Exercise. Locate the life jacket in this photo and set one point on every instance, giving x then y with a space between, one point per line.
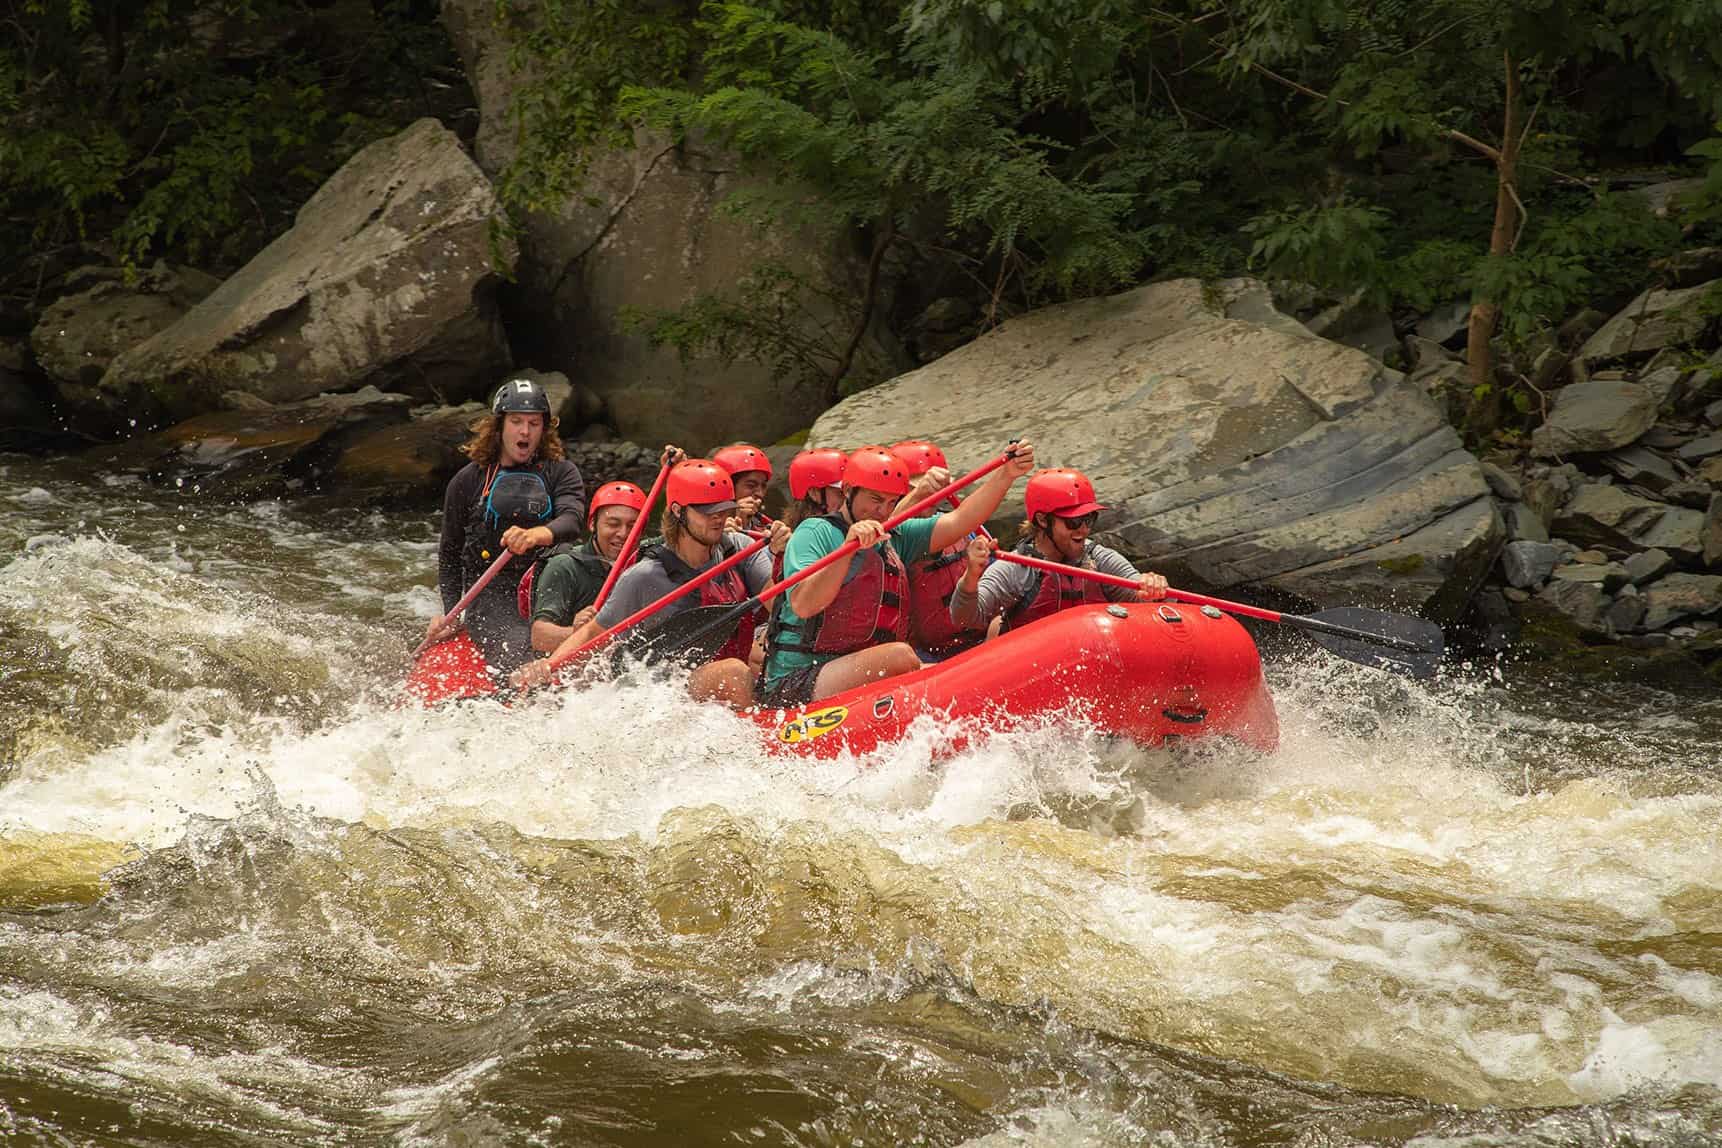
580 552
932 580
508 498
727 589
1048 595
870 610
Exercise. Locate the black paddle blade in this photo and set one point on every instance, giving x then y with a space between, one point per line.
1397 643
692 637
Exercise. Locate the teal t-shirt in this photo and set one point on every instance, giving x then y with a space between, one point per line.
813 540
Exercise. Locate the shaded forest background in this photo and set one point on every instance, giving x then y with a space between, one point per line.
1010 154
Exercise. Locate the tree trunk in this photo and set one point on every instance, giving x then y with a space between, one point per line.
870 294
1502 239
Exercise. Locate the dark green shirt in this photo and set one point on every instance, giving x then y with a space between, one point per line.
568 584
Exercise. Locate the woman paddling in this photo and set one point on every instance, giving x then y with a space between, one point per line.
933 577
846 625
1061 511
518 493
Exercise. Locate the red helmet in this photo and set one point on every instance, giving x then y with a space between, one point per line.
741 458
920 455
614 494
875 468
814 469
700 482
1060 491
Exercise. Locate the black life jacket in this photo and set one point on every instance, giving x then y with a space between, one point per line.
508 498
727 589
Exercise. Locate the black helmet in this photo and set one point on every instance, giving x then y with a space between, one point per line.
520 396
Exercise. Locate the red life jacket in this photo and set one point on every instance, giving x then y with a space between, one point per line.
932 580
870 609
727 589
1050 593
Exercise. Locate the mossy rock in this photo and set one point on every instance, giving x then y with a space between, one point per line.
1550 637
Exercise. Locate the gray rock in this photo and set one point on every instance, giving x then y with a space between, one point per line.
1590 557
1355 322
1528 565
385 278
1577 329
1713 413
1643 467
79 334
1611 576
1595 416
1646 641
1547 489
1693 493
646 233
1421 352
1648 565
1665 438
1666 198
1448 325
1679 531
1626 611
1581 602
1700 448
1681 596
1658 318
239 455
1683 633
1233 452
1663 383
1515 595
1691 267
1523 523
1710 534
1504 483
1710 472
1602 514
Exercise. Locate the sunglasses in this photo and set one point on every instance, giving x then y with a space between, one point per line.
1080 521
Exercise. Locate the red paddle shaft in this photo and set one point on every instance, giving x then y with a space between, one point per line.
472 592
647 611
625 557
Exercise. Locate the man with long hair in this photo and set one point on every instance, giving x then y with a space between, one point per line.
519 492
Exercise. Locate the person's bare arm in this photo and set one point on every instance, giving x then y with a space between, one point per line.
954 525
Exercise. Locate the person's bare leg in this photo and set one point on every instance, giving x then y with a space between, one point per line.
865 666
729 681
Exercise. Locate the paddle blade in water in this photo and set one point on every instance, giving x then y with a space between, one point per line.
1394 642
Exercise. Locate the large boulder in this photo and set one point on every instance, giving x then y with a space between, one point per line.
411 461
1233 452
646 233
1594 416
82 331
385 279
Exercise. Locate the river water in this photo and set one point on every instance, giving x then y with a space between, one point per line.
246 899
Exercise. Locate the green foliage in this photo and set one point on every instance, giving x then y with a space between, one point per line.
193 128
1337 246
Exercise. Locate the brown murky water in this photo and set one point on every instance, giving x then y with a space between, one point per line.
244 899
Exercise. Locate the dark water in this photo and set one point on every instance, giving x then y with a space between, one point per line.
245 899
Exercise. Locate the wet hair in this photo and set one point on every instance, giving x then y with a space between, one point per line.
670 527
485 445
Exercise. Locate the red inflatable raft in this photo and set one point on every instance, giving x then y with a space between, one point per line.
1150 671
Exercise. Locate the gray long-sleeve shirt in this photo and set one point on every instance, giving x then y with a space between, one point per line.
1004 584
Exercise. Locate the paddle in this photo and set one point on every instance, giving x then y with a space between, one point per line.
697 634
1383 641
624 557
556 662
472 592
